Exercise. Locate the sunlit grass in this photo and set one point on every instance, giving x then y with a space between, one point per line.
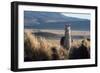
40 48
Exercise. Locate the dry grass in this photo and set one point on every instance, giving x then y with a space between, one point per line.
39 48
80 49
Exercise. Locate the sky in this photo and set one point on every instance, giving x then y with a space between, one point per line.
77 15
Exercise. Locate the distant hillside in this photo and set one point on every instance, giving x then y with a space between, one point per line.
53 20
55 36
47 35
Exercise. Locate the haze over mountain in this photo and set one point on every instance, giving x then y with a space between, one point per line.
53 20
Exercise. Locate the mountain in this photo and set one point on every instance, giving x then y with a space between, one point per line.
53 20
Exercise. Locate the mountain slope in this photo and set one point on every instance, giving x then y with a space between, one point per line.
53 20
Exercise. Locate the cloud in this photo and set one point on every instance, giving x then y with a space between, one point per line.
78 15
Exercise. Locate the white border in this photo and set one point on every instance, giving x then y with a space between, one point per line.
22 64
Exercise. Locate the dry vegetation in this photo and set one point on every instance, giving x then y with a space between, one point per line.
39 48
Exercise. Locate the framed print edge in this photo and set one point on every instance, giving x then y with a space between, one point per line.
14 35
96 38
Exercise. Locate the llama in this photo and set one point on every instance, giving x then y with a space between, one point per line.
67 41
78 51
